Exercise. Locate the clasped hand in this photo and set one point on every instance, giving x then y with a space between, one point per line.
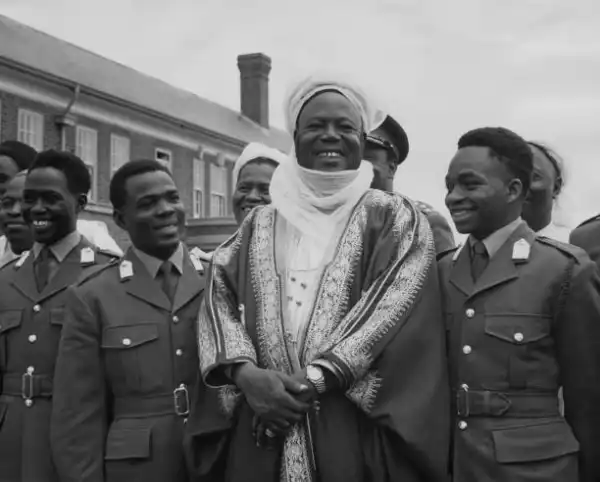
278 400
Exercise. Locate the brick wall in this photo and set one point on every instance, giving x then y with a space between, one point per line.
140 147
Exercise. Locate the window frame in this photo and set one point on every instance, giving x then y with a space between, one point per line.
38 141
199 163
114 140
81 129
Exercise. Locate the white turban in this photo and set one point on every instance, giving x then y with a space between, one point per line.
319 203
97 233
253 151
306 89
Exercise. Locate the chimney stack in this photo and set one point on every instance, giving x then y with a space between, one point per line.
254 87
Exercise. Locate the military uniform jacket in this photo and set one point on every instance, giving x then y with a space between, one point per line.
127 361
587 237
30 329
528 325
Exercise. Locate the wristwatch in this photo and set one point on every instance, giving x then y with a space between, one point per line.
315 376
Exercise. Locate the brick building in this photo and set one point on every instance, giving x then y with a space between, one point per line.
56 95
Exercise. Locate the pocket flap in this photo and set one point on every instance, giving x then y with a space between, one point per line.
517 328
129 336
535 442
57 315
128 444
10 319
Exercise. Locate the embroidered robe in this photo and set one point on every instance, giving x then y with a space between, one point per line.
376 318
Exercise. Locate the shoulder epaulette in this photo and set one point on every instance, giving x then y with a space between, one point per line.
95 270
109 253
446 252
11 262
565 248
589 220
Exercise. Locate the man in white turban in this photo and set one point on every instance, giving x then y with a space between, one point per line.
321 338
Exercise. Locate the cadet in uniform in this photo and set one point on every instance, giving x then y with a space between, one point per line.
522 317
128 357
587 237
386 148
32 311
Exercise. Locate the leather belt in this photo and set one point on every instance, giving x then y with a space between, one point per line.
485 403
27 385
176 402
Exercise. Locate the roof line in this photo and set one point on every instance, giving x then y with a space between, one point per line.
121 102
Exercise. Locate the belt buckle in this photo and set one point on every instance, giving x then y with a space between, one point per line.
181 394
462 398
27 385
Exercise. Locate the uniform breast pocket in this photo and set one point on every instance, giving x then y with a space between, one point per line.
9 320
132 357
518 346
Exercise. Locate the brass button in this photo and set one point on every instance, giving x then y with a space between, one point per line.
126 341
466 349
175 319
37 308
30 370
32 338
462 425
470 313
518 337
179 352
28 402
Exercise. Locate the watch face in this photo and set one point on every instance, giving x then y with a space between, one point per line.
313 373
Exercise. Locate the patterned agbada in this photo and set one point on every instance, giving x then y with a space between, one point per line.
376 319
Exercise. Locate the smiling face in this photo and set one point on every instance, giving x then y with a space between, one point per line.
252 188
49 207
329 134
482 195
153 214
13 225
8 170
537 210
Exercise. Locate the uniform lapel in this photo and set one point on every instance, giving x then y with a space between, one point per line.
502 267
460 273
24 278
142 285
190 284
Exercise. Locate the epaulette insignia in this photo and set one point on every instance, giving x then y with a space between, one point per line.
125 270
21 259
88 256
95 271
197 264
201 255
521 250
568 249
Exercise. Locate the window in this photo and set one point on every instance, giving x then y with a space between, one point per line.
119 152
199 183
86 148
218 191
165 157
31 129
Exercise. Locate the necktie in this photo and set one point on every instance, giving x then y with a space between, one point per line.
169 279
43 268
479 259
